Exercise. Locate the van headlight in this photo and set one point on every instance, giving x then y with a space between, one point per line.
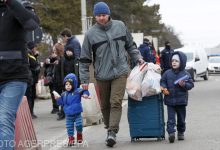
210 67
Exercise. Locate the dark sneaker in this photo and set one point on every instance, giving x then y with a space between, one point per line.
111 139
33 116
106 127
172 137
54 111
180 136
61 117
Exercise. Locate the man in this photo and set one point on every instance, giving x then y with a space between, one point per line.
165 57
71 41
35 70
15 21
147 52
106 44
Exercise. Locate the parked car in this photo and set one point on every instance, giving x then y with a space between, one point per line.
197 62
214 64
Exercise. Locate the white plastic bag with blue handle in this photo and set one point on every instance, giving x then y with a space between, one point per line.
134 80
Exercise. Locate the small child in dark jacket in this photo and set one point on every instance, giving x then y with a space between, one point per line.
71 100
175 84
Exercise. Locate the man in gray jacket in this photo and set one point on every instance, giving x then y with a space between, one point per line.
106 45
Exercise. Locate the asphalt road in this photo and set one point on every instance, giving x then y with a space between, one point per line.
202 133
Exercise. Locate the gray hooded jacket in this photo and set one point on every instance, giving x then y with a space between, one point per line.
106 46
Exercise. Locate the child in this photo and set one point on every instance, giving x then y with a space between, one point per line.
71 100
175 93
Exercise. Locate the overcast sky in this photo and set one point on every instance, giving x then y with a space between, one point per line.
196 21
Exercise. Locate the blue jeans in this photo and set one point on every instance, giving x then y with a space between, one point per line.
11 94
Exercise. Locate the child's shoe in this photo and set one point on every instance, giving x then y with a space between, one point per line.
180 136
79 138
71 141
172 137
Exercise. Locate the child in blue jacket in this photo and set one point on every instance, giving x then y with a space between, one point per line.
71 100
175 84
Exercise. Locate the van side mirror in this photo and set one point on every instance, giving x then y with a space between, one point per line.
197 59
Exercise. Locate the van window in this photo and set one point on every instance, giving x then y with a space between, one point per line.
189 56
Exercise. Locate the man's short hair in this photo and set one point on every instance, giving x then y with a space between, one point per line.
31 45
66 32
146 41
167 43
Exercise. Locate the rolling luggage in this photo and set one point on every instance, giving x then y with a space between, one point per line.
146 118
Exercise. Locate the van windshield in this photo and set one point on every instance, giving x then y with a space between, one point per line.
189 56
214 59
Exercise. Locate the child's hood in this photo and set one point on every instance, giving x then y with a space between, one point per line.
72 77
182 57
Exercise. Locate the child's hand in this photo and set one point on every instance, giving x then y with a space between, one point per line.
56 95
181 83
85 96
164 91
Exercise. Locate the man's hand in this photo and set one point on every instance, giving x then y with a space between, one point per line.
85 86
56 62
141 61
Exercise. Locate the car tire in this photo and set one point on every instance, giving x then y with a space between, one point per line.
206 77
194 76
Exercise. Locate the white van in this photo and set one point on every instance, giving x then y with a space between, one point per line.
197 62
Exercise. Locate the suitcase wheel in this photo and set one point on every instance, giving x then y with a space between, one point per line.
160 139
132 139
135 139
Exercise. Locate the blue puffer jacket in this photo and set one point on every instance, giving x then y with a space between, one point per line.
71 100
75 45
147 53
178 95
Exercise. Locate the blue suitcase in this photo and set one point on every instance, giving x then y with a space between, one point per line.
146 118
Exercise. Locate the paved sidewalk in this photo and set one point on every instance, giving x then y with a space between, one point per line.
46 126
51 134
202 134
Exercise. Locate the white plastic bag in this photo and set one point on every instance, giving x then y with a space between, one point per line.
151 83
155 67
134 80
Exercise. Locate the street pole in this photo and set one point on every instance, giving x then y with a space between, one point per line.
83 16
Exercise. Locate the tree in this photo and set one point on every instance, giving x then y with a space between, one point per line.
170 35
56 15
137 17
